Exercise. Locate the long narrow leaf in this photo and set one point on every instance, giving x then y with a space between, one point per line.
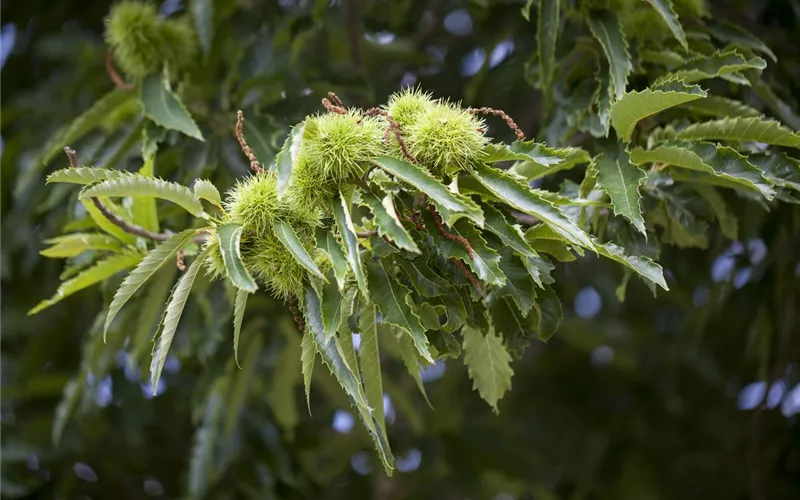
144 271
140 185
289 238
230 237
172 317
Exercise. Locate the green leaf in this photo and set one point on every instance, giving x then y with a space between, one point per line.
519 196
408 353
394 302
518 286
165 108
201 462
336 308
779 169
727 222
105 224
172 317
230 237
144 271
606 29
546 39
713 66
424 280
665 10
287 157
84 175
205 190
536 160
140 185
484 260
387 222
286 375
307 357
203 16
143 210
508 322
90 119
620 180
341 214
719 161
644 266
754 129
369 354
289 238
550 313
452 205
239 305
73 244
637 105
720 107
732 34
488 364
326 241
100 271
510 234
344 374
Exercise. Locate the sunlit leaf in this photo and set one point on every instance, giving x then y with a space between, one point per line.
620 180
230 237
488 363
290 240
140 185
165 108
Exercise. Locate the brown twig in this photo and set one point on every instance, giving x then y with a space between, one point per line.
467 273
298 318
113 74
395 128
333 108
416 222
335 99
502 114
255 166
450 236
367 234
118 221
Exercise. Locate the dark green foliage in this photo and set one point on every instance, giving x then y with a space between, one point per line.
661 143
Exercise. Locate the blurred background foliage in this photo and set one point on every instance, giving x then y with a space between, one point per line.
692 394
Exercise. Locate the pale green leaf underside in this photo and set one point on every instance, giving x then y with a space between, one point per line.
100 271
637 105
84 175
621 180
229 237
488 364
165 108
140 185
289 238
144 271
70 245
721 107
205 190
307 356
172 317
453 204
327 242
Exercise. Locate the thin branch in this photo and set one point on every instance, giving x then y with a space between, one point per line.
118 221
367 234
113 74
255 166
502 114
467 273
450 236
332 107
